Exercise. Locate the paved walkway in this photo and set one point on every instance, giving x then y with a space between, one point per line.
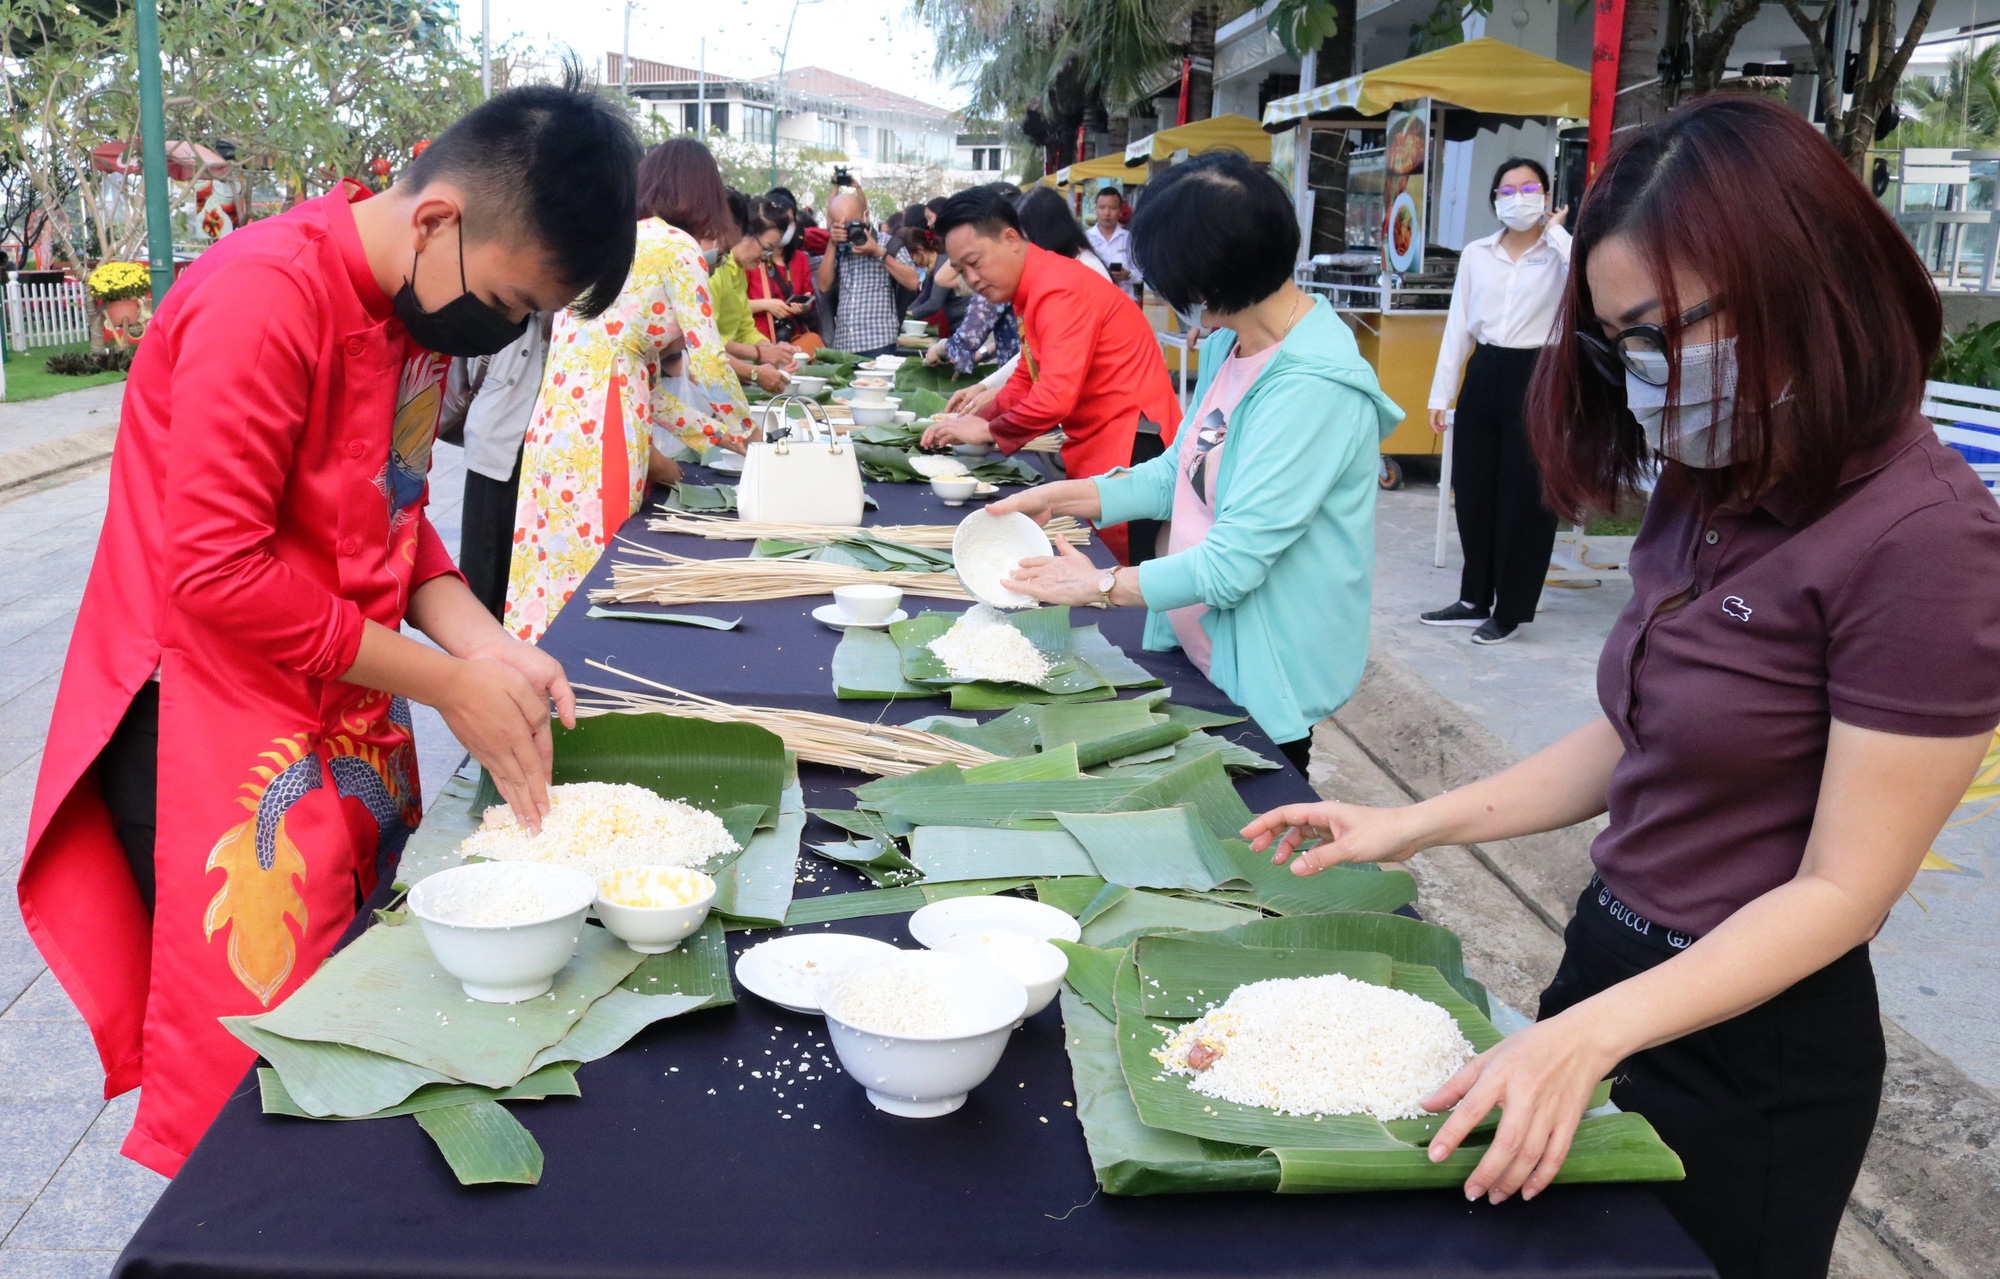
1937 958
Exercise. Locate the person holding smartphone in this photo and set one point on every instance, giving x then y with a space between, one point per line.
1112 243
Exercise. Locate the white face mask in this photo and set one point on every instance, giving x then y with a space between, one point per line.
1521 212
791 229
1700 415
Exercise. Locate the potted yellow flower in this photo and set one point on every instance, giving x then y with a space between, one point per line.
117 288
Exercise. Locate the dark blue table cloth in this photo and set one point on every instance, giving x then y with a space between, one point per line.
727 1144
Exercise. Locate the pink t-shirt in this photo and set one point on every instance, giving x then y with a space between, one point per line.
1194 513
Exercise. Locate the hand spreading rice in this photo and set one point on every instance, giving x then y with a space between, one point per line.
983 645
1320 1046
604 826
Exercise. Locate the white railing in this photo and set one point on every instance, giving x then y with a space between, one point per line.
1968 416
47 314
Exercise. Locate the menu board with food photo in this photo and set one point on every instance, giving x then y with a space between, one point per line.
1407 142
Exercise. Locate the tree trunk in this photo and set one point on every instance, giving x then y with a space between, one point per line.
1715 40
1881 63
1326 162
1638 69
1201 68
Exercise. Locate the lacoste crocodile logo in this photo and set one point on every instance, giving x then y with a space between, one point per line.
1736 608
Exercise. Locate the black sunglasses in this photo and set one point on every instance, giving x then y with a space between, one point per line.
1640 350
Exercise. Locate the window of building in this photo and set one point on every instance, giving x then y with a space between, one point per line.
886 146
756 122
864 141
691 117
718 116
832 134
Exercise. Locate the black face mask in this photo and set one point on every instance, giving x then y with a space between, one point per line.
464 326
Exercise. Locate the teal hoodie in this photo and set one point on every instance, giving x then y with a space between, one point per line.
1289 566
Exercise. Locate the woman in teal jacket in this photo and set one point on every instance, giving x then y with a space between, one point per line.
1270 483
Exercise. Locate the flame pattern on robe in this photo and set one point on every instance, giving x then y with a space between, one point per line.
374 763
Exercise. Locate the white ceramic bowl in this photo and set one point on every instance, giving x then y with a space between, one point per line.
874 414
808 385
503 963
653 930
871 390
916 328
987 548
787 970
867 602
1038 965
940 921
904 417
921 1077
954 489
971 450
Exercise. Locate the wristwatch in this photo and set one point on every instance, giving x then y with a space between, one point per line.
1105 585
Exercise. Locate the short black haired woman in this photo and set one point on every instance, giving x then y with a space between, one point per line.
1270 484
1503 306
1794 700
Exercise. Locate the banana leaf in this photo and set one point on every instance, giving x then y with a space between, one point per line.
1070 894
885 463
1406 940
1196 718
1050 765
483 1144
712 766
336 1081
755 889
1180 978
923 402
1110 661
550 1081
915 375
1046 628
1152 848
698 966
1092 973
868 665
676 619
1008 470
610 1023
1204 783
889 901
1155 742
1093 721
1012 734
1149 912
999 802
700 497
1338 888
874 794
385 993
899 435
880 861
945 853
1614 1147
1000 697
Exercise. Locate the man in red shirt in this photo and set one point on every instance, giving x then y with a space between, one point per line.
230 767
1090 363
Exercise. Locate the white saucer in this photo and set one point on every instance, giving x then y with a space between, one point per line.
986 490
788 970
839 621
727 464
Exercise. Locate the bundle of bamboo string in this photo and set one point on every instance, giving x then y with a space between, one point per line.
678 579
933 536
886 750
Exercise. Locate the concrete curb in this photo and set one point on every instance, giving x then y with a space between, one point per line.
25 465
1929 1191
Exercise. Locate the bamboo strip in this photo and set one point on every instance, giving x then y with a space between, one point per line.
886 750
681 580
929 536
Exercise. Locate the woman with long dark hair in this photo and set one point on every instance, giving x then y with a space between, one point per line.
1793 702
1503 305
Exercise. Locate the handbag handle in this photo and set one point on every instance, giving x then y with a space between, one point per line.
778 428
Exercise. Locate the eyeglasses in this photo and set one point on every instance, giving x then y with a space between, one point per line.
1640 350
1526 188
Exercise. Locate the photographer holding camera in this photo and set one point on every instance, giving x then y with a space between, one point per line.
861 274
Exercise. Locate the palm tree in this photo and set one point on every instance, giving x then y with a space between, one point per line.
1962 109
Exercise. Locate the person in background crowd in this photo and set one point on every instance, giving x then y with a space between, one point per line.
1266 578
1503 305
1090 363
592 447
1795 697
493 399
945 297
933 207
753 232
893 228
863 276
264 544
786 276
1113 243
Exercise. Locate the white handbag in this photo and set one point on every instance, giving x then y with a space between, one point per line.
801 472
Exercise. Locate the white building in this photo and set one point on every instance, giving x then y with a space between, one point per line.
872 128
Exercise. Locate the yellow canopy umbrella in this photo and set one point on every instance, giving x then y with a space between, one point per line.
1484 75
1106 166
1233 132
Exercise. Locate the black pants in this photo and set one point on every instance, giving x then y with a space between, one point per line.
1299 752
486 535
1770 1111
128 770
1506 531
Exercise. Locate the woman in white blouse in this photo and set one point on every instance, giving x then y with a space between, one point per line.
1503 309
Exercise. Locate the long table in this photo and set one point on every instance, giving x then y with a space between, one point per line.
727 1144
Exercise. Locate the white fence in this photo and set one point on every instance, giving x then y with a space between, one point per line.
47 314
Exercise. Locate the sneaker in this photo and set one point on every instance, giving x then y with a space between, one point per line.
1494 633
1459 614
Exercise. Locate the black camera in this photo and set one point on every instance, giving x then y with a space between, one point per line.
841 177
857 233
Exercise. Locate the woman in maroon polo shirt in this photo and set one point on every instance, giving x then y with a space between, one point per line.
1794 700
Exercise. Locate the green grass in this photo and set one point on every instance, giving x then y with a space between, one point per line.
28 379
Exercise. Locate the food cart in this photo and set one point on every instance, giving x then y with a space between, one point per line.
1391 286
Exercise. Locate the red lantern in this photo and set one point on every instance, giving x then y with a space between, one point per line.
420 148
379 167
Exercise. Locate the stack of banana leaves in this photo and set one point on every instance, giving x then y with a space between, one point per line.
699 497
915 375
898 662
380 1033
1150 1133
862 550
